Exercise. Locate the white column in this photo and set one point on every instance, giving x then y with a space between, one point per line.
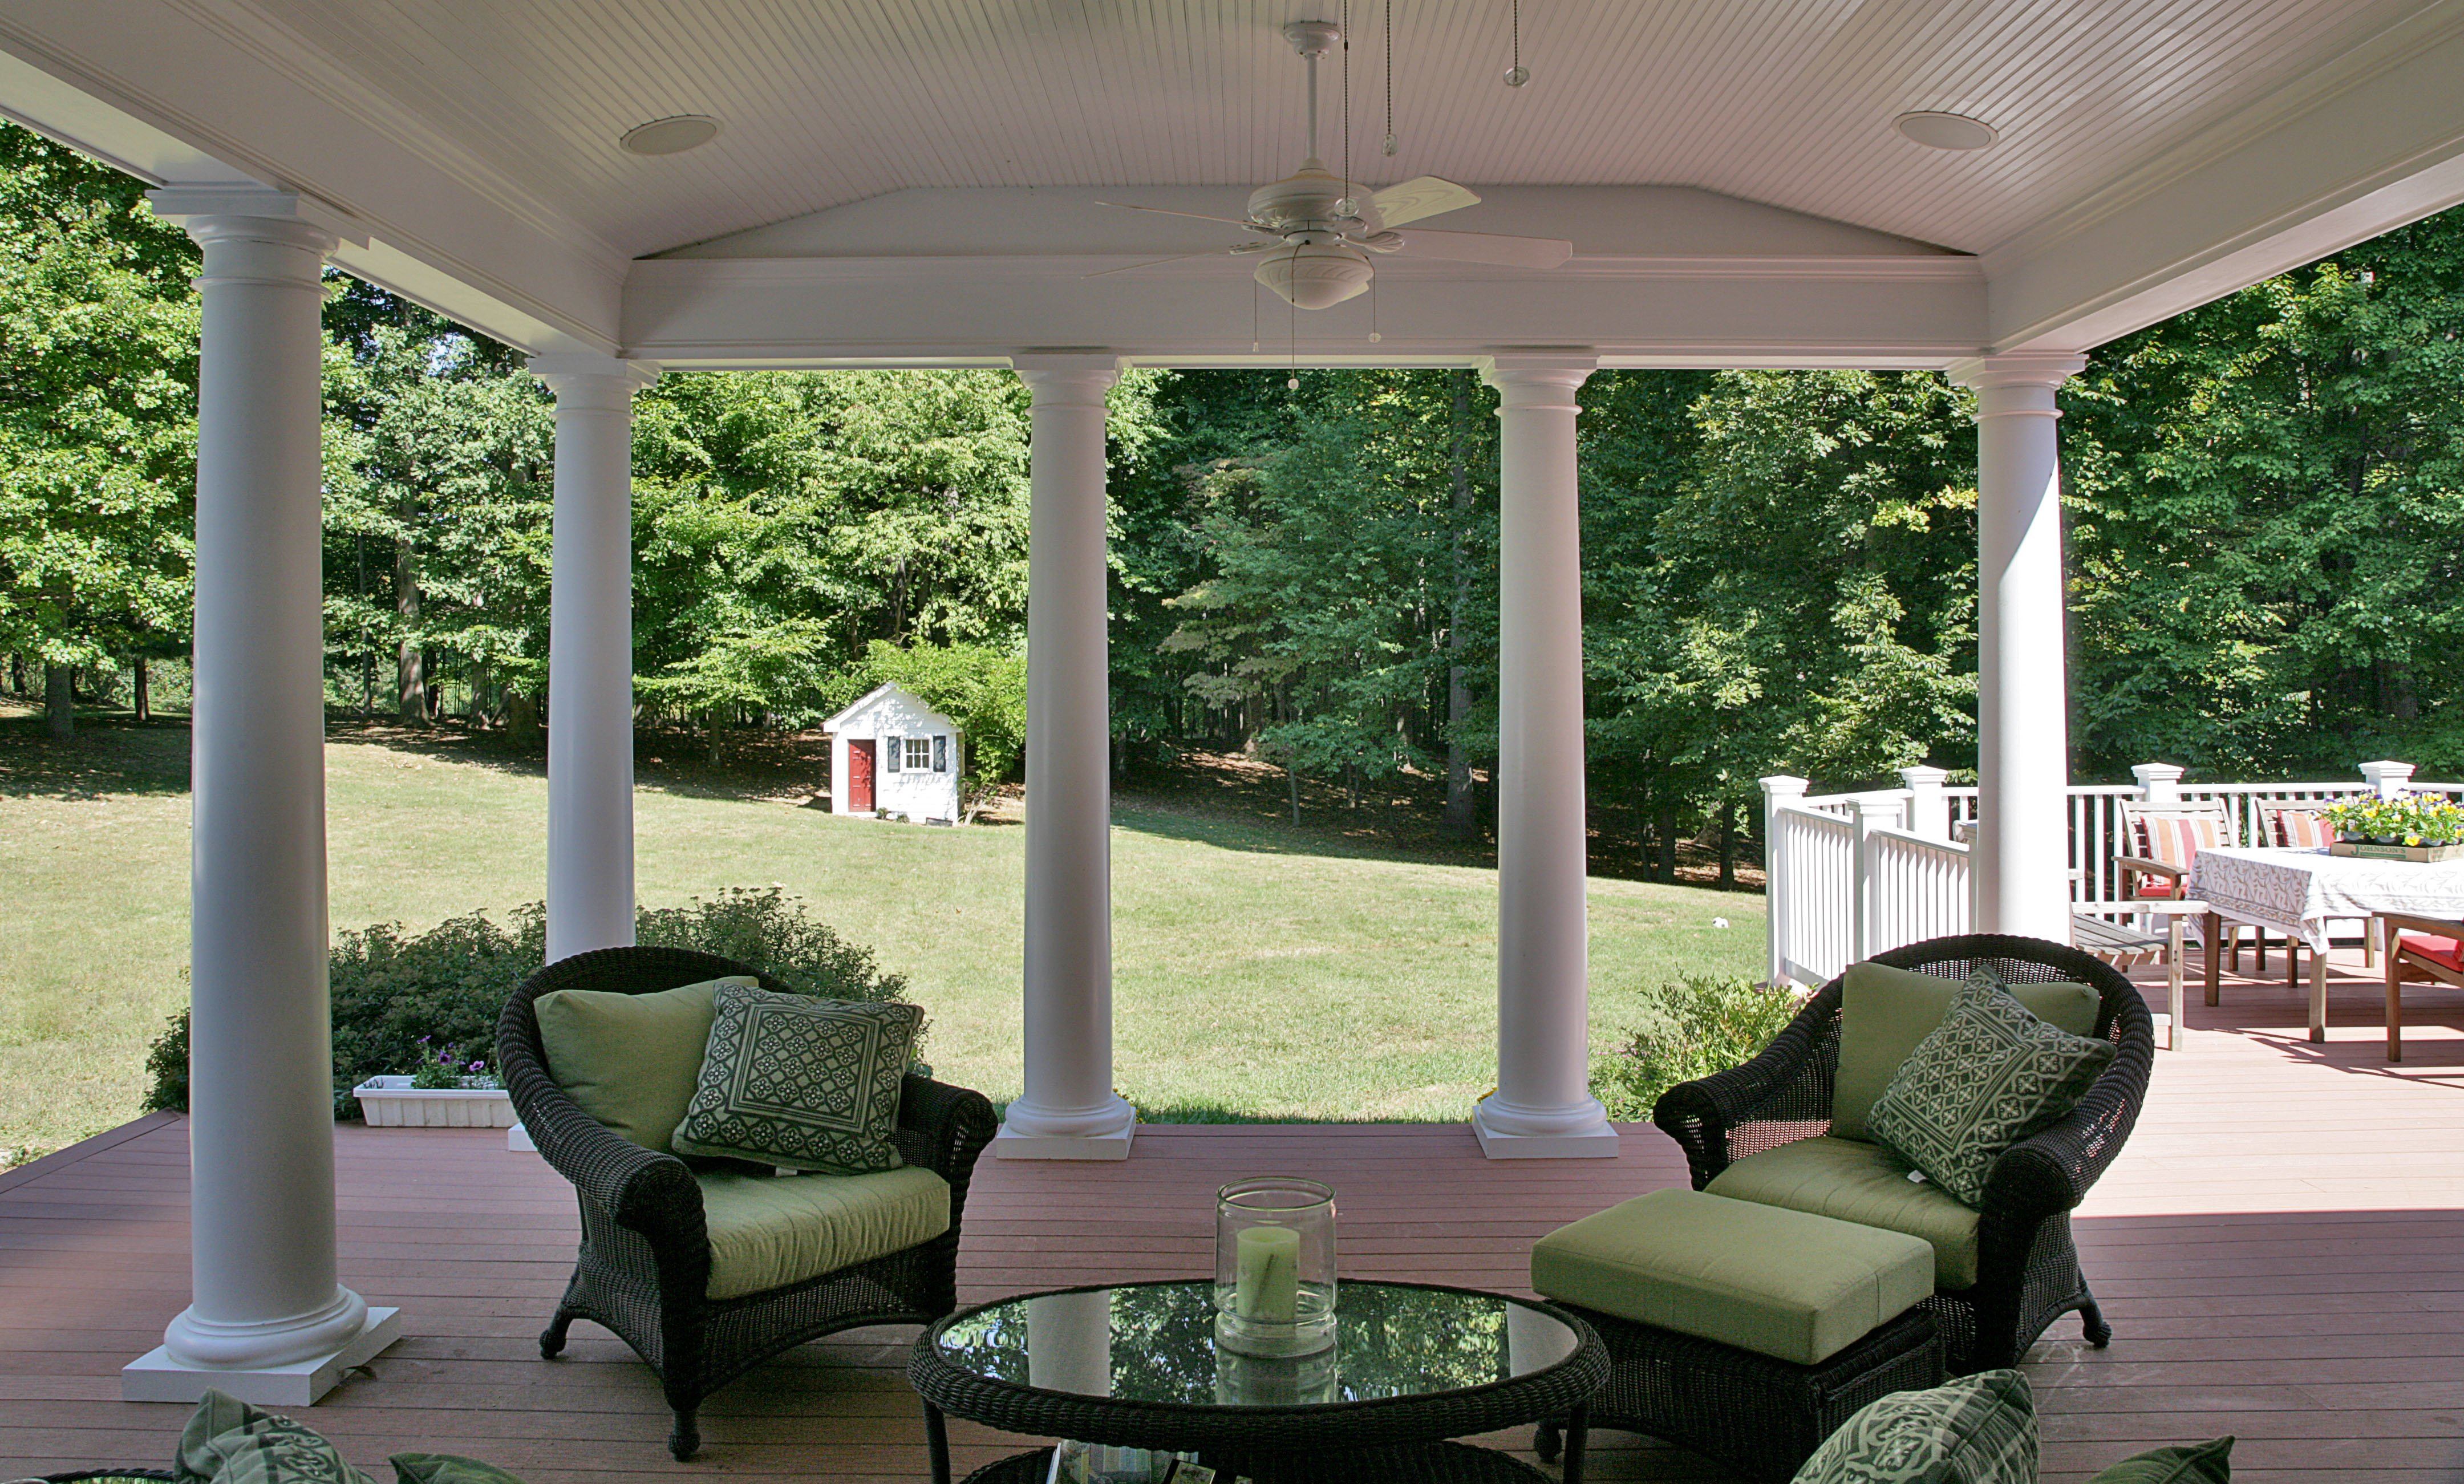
2021 858
1067 1109
266 1321
2388 776
1543 1107
591 653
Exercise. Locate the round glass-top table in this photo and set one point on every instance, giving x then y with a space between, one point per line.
1136 1366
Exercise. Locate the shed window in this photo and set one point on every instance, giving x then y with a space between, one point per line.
890 754
940 755
919 754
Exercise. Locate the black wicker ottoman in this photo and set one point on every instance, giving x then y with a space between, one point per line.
1760 1416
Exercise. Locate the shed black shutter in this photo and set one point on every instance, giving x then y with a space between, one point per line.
941 752
890 754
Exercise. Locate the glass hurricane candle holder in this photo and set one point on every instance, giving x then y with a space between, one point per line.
1274 1266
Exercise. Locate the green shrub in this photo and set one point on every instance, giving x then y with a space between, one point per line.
1706 1024
398 995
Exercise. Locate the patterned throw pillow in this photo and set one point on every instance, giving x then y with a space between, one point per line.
805 1082
1977 1429
2184 1463
1989 1075
229 1442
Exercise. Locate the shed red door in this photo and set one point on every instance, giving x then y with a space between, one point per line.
860 776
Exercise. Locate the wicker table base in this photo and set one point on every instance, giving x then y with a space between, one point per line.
1435 1463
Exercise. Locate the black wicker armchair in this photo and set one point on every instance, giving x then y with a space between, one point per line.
645 1263
2028 1270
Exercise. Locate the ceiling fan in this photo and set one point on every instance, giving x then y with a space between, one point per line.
1319 229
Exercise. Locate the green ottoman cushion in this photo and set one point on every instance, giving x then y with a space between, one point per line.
1885 1011
1851 1180
1783 1283
766 1233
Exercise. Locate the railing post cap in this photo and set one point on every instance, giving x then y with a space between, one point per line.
2386 766
1923 775
2170 773
1783 783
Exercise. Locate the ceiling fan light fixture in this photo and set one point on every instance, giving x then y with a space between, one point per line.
1315 276
671 135
1944 131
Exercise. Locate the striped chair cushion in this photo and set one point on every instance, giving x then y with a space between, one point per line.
2176 840
2298 829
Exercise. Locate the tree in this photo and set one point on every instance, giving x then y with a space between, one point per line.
98 408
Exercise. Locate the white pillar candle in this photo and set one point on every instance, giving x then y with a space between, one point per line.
1269 1291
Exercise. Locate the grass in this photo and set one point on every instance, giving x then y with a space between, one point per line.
1259 972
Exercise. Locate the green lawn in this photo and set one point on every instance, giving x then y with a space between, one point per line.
1258 971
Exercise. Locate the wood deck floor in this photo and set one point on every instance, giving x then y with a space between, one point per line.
2280 1250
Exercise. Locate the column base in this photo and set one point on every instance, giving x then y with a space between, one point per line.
1101 1135
1597 1141
518 1140
156 1377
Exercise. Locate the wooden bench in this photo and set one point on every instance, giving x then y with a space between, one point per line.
2126 947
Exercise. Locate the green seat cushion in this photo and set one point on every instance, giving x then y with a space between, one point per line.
629 1060
446 1469
2182 1463
1885 1012
766 1233
1976 1429
1784 1283
802 1081
1991 1074
1850 1179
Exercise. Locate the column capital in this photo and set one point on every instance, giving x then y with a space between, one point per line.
1537 379
579 371
1067 378
250 212
2019 383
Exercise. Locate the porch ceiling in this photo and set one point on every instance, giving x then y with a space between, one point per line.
2153 151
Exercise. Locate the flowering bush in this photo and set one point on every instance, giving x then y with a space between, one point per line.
2407 819
448 1068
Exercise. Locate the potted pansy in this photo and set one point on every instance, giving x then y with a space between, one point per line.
2408 827
447 1089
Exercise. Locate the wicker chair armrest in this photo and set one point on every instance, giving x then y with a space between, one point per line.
950 1125
2165 868
2054 1170
647 1190
1701 1114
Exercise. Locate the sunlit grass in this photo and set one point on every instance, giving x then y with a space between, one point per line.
1259 973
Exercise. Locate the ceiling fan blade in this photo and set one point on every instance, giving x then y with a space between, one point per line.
1422 196
1486 248
1157 262
1228 221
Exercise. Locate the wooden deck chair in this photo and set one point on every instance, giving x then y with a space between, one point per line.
2158 845
2419 950
2300 827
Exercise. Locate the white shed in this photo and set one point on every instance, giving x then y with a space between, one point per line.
892 754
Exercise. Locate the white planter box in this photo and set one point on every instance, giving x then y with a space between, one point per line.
392 1102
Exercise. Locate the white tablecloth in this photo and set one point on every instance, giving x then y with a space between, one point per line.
2298 891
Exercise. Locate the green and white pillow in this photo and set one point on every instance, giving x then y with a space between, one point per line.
807 1084
1977 1429
2184 1463
1988 1076
226 1441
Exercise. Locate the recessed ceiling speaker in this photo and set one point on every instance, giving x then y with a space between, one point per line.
1945 131
671 135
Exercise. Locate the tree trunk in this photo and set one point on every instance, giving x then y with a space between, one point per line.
410 662
1292 787
521 719
1461 818
1666 827
1728 845
717 733
141 700
16 674
59 699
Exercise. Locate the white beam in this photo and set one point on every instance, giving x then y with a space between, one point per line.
2356 148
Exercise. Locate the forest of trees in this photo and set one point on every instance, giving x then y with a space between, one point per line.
2265 510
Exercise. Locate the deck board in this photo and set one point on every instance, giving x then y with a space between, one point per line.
2280 1249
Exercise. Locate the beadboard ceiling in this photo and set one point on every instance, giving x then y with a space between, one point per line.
1786 102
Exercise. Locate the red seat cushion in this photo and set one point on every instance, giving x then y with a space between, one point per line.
2438 950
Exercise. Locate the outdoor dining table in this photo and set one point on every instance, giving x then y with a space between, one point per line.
2296 892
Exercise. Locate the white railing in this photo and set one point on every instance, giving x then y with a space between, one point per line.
1852 874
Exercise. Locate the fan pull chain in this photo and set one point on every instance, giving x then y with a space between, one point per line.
1293 343
1390 78
1347 207
1515 76
1374 336
1253 314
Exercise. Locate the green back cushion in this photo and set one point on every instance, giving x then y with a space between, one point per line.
2184 1463
226 1441
1885 1012
629 1060
801 1082
1991 1074
1977 1429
